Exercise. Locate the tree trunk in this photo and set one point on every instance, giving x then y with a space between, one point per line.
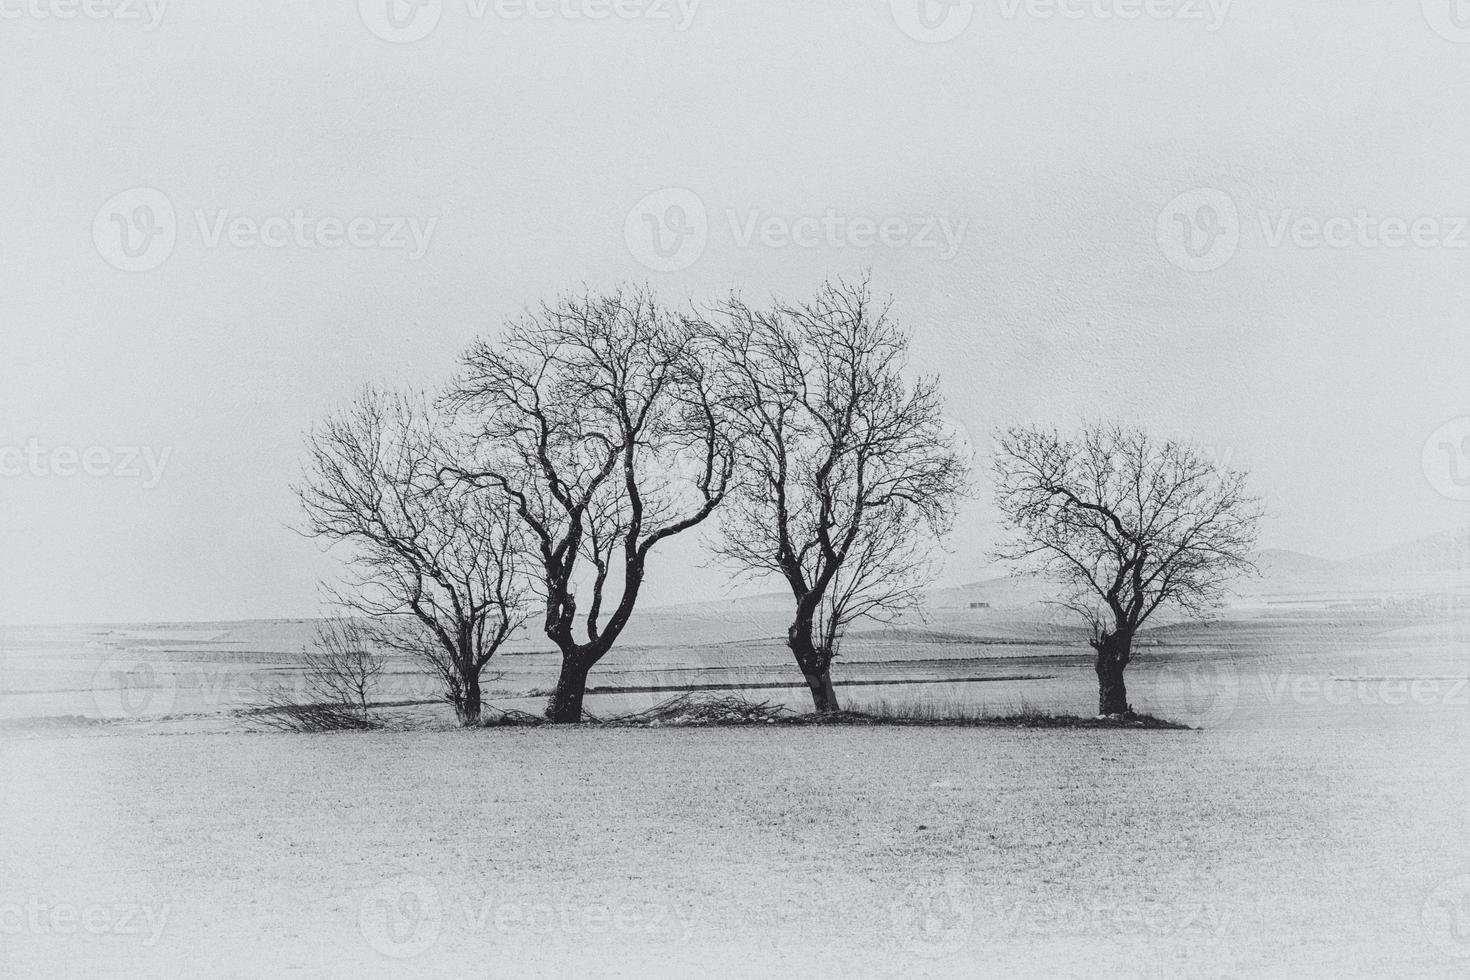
824 697
565 707
468 708
815 664
1113 650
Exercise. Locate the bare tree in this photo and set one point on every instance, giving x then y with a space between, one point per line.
596 421
847 475
343 664
435 565
1128 525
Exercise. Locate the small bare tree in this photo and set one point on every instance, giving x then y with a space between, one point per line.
435 565
342 666
596 422
1128 525
847 474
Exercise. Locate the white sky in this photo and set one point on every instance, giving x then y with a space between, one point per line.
1324 370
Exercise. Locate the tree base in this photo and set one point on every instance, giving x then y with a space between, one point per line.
467 702
565 706
1113 654
824 695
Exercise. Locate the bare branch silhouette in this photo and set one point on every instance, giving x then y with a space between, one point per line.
1128 525
435 565
596 420
846 472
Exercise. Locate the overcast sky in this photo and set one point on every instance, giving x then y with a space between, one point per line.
400 195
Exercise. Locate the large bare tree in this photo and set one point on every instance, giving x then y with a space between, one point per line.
596 420
847 474
434 565
1129 525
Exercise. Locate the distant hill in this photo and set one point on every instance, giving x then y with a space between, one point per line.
1431 573
1279 563
1448 552
1434 565
1437 565
1002 592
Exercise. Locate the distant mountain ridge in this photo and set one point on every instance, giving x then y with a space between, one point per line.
1432 563
1437 563
1448 551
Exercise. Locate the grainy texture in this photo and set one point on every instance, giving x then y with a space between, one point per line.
741 853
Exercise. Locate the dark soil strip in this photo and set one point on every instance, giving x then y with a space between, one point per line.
784 685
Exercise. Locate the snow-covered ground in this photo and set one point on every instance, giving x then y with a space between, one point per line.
1318 823
892 852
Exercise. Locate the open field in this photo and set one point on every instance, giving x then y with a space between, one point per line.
741 853
1300 640
1317 823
